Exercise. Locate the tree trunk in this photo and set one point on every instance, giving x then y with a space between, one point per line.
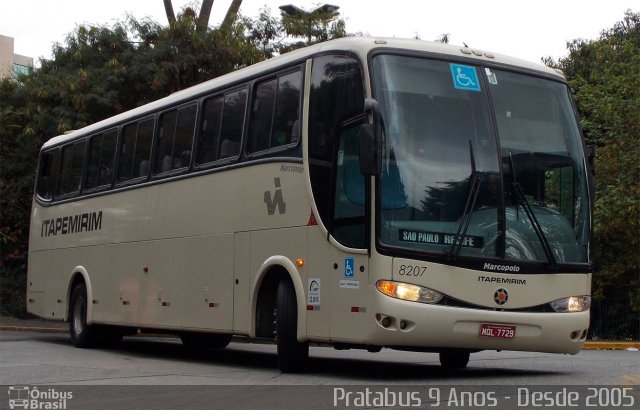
205 14
231 15
168 8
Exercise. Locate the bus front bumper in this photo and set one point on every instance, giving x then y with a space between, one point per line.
401 323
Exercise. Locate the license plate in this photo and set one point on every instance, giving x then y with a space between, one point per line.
500 331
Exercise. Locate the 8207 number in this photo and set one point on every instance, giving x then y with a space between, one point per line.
410 270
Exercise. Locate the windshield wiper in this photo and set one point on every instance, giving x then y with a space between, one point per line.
475 182
521 199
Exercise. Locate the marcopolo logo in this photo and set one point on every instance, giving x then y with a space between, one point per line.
25 397
501 268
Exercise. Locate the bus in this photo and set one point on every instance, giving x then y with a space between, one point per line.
359 193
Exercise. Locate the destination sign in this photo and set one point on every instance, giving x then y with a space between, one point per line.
440 238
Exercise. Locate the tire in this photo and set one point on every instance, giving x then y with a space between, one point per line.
82 334
204 341
292 355
454 359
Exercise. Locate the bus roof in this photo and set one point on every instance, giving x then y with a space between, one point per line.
361 46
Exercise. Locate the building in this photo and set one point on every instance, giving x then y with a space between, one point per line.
12 64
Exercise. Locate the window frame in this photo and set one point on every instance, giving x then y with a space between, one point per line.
71 194
155 146
246 86
55 151
134 180
300 67
114 160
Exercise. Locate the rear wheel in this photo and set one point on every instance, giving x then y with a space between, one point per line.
203 341
82 334
292 355
454 359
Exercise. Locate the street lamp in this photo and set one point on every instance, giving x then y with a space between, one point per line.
295 12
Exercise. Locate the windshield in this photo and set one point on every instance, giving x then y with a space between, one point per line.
479 162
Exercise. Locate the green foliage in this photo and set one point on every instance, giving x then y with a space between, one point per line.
314 27
605 77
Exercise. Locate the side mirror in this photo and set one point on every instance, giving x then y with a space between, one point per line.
369 150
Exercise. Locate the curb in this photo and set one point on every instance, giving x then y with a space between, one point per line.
34 329
611 345
587 345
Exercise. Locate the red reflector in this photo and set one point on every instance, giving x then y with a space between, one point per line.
312 219
212 304
313 307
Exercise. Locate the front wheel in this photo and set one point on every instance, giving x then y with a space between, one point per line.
292 355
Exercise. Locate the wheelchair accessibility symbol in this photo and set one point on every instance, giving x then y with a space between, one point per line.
465 77
348 267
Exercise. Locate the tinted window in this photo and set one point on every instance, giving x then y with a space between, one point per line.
232 124
174 139
47 172
274 113
135 150
71 171
286 124
337 94
210 130
102 148
262 116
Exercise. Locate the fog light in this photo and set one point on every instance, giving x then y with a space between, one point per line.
571 304
386 321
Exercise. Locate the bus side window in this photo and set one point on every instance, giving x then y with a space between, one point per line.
337 95
102 148
174 139
71 170
262 116
135 150
47 173
232 124
210 130
349 195
286 123
275 113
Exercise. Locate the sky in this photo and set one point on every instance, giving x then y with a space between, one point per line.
526 29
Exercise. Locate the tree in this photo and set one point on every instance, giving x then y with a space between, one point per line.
316 26
205 14
605 79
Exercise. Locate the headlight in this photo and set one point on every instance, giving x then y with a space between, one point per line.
572 304
406 291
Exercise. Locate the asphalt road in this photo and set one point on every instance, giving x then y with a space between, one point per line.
161 373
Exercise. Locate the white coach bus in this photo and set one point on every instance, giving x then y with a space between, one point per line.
361 193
